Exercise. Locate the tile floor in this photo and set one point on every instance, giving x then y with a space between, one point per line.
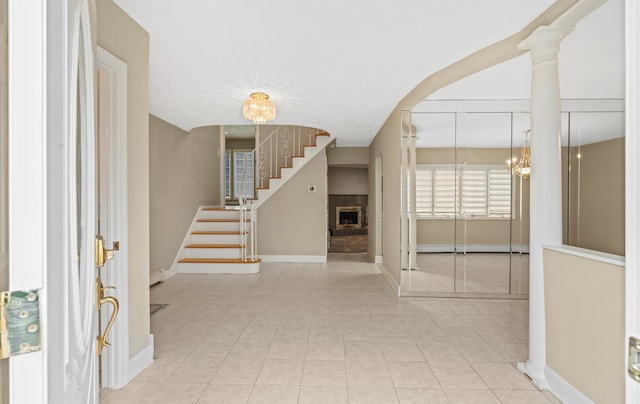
328 333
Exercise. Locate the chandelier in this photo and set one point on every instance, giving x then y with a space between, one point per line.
259 108
522 166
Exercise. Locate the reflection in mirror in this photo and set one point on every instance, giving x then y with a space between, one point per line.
482 224
593 180
435 205
472 211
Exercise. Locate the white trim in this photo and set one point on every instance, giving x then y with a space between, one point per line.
515 105
117 275
376 259
27 174
390 280
141 361
488 248
294 258
564 390
157 276
632 191
180 253
588 254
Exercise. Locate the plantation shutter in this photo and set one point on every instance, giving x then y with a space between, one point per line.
227 175
499 192
474 192
243 174
444 191
424 191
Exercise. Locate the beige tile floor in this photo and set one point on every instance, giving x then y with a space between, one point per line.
328 333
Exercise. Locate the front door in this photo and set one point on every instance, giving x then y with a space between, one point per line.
86 250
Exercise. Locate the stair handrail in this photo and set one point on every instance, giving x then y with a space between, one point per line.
282 145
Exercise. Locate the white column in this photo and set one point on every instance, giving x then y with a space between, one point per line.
546 185
413 223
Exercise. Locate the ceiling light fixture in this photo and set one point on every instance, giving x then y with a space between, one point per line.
259 108
522 167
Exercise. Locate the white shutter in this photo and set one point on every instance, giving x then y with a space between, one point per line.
499 192
424 191
243 174
227 175
474 192
445 191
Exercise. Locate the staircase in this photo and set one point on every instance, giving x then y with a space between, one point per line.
217 243
222 240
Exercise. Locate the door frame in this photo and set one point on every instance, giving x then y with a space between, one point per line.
28 236
116 358
632 176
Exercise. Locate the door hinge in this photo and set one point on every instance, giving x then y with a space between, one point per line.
19 322
633 367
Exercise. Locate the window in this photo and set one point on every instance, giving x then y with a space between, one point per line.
468 191
239 171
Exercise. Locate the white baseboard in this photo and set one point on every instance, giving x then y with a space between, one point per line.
488 248
322 259
390 280
141 361
376 259
564 390
157 276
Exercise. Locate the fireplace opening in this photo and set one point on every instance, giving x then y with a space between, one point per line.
348 217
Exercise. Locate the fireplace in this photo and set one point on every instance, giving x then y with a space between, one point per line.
348 217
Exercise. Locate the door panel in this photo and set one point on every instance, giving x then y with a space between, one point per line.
80 348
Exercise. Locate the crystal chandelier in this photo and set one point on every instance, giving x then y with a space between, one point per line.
522 166
259 108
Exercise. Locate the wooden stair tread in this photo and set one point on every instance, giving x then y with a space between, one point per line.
220 208
217 232
213 246
218 261
221 220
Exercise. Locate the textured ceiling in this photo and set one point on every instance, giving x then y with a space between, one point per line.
591 68
341 66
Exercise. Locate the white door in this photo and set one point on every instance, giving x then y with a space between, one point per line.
80 178
632 202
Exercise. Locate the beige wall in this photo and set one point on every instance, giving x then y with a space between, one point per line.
599 213
184 174
121 36
294 221
348 156
348 181
584 309
386 145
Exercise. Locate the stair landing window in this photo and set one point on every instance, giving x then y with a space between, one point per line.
238 174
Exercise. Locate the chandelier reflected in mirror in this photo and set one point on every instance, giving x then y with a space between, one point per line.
522 166
259 108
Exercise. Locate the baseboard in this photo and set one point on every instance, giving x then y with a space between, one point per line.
487 248
539 380
390 280
322 259
376 259
157 276
141 361
564 390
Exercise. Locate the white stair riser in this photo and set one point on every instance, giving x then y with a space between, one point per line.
252 268
217 238
218 226
212 253
219 214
